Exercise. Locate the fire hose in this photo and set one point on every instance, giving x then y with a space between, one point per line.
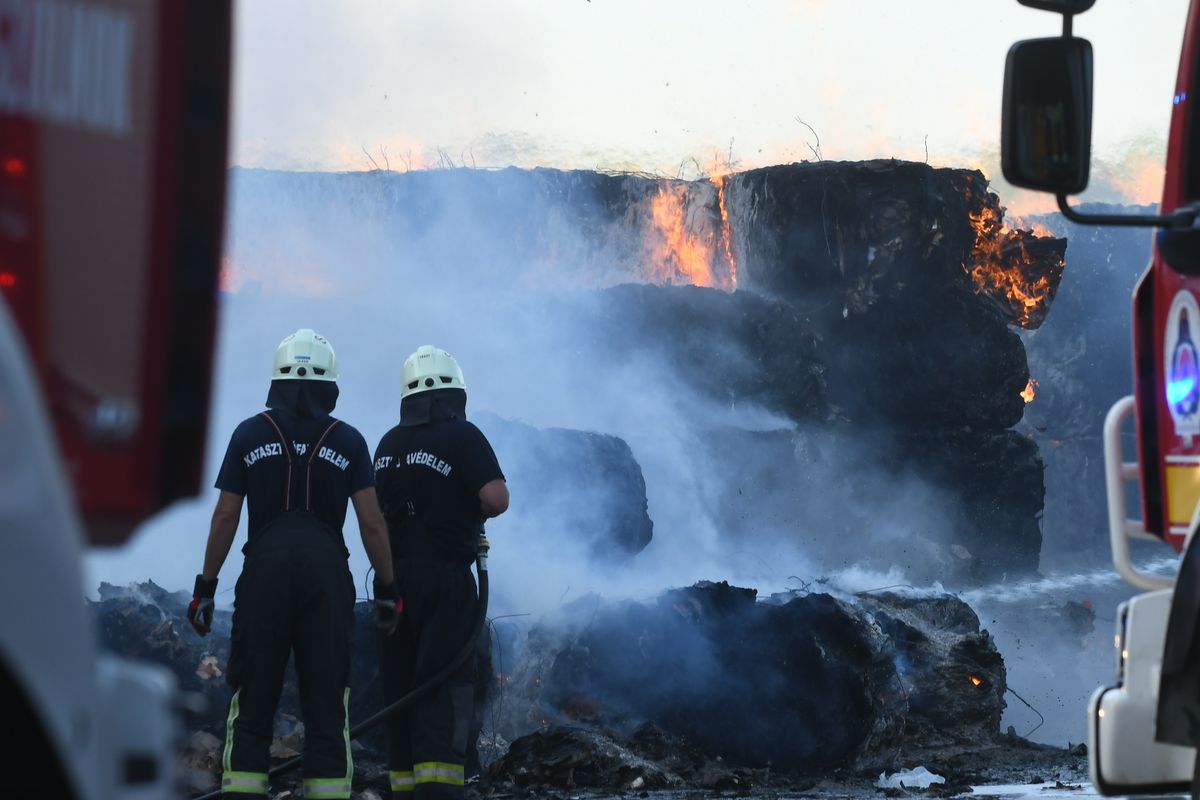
417 693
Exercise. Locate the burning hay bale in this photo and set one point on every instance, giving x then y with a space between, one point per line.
840 237
801 682
589 484
909 280
830 236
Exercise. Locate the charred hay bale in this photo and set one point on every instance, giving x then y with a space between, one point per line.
878 256
943 361
939 360
834 237
738 680
996 481
838 237
801 682
589 483
953 677
737 348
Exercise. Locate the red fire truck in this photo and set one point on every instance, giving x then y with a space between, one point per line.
113 132
1141 728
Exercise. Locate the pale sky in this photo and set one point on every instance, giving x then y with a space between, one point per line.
650 84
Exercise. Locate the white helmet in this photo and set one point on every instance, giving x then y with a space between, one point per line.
305 356
430 368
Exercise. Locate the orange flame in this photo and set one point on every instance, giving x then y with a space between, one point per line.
726 228
976 680
998 256
1030 391
680 253
681 248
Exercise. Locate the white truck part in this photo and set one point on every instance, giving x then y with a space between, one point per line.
1124 757
82 727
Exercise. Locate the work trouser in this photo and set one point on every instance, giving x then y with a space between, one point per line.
295 595
427 742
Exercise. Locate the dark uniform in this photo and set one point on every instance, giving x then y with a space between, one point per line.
429 477
295 594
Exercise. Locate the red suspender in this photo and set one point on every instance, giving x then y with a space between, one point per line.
287 451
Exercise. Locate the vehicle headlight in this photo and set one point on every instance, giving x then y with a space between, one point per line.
1119 641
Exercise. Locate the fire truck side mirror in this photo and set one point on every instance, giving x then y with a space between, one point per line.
1060 6
1046 124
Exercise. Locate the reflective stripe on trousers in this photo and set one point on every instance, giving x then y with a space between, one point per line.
438 772
335 788
402 781
234 708
326 789
244 783
238 782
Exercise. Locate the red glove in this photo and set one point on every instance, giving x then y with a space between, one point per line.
200 610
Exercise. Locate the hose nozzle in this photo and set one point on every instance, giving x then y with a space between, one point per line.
481 555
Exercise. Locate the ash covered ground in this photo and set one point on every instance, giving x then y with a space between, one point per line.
802 693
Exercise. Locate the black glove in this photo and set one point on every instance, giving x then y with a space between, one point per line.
389 605
200 610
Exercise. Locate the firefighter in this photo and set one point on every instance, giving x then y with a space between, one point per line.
297 466
438 481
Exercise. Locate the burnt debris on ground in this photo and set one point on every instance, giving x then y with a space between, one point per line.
704 687
804 682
